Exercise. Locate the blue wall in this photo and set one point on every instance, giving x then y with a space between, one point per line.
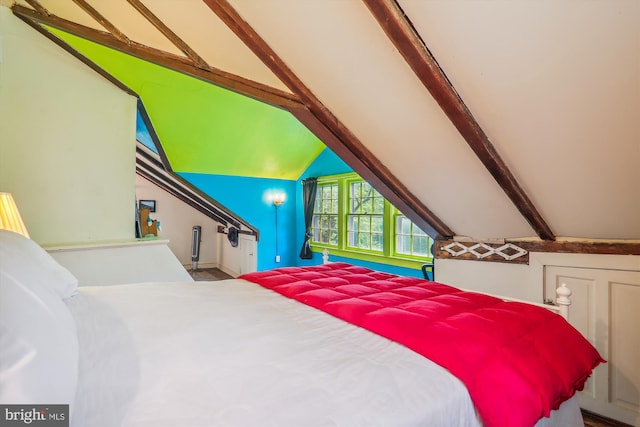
327 163
249 199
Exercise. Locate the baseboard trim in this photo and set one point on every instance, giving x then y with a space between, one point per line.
596 420
203 265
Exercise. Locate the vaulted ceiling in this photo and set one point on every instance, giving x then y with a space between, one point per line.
204 128
488 118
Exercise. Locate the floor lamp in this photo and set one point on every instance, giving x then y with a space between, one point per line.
278 200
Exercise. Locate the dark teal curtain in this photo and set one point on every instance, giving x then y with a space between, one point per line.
309 187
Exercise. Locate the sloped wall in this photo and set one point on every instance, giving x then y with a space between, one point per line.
67 141
177 220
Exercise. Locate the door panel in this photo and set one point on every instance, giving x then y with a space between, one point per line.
605 308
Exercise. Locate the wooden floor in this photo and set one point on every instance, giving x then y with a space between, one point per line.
590 419
202 274
595 420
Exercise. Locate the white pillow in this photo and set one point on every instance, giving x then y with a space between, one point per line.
39 345
31 265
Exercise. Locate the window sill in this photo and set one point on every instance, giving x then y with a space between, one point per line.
372 257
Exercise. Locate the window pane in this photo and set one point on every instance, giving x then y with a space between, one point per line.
365 223
420 245
324 222
365 205
403 245
410 240
377 224
352 223
377 243
378 205
315 225
324 236
354 190
417 231
367 190
326 191
404 225
333 237
351 237
334 206
333 222
364 240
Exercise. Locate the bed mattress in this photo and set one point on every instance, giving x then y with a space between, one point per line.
231 353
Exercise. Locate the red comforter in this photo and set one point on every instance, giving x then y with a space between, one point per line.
517 361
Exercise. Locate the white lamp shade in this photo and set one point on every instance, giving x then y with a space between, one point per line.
9 216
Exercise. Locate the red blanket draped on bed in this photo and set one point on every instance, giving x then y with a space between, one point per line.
517 361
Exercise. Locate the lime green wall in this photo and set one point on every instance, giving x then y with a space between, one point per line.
206 129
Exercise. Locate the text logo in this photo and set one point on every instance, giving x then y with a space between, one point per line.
34 415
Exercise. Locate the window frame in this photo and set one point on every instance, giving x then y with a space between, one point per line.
389 254
397 214
361 215
321 185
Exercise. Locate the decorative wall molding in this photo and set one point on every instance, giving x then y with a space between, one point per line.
517 251
481 251
508 251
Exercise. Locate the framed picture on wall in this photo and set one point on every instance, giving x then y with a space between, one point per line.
148 204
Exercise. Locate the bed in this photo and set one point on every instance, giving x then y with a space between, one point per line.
275 348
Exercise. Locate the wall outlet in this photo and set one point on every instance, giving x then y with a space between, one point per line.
277 258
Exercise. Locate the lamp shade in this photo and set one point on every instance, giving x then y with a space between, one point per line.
9 216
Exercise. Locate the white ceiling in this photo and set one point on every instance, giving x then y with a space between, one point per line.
555 85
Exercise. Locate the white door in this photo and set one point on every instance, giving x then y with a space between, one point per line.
249 260
605 308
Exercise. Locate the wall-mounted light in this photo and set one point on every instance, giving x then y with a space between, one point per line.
10 218
278 200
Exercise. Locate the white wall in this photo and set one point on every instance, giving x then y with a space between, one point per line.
121 263
519 281
177 220
67 141
241 259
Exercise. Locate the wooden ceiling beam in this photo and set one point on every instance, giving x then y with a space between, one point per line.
177 63
170 35
38 7
406 39
398 197
557 246
329 129
92 12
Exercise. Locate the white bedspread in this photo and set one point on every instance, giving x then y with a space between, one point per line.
231 353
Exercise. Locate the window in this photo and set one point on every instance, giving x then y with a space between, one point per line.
365 221
410 240
325 215
354 220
